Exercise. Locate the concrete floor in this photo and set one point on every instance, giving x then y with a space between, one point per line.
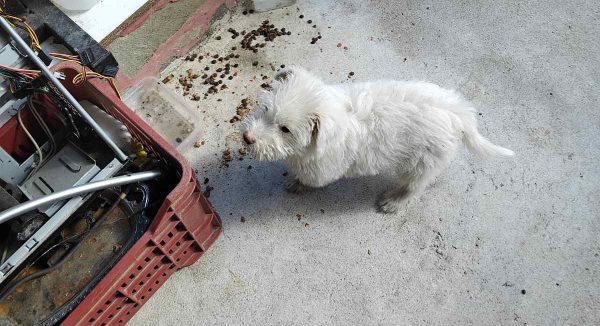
491 242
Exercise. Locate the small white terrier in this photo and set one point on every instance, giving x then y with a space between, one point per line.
328 132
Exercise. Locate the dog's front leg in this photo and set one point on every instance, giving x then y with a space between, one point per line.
294 186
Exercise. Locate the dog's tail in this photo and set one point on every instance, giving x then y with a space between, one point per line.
478 144
482 147
474 141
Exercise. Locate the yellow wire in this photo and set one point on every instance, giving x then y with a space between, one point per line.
81 77
35 44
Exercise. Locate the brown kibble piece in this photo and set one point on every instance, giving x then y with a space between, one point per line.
168 78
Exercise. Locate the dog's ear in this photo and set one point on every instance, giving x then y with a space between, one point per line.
323 133
314 119
283 75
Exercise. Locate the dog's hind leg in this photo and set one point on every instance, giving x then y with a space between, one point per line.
410 186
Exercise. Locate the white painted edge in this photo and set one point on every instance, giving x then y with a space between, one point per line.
105 17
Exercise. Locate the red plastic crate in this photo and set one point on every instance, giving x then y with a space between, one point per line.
184 227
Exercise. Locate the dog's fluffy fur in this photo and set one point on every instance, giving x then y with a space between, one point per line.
327 132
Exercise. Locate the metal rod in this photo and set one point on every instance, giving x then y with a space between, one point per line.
48 74
76 191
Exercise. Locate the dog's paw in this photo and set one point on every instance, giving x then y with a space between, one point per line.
295 187
388 205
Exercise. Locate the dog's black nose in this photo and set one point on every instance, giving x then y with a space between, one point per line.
248 138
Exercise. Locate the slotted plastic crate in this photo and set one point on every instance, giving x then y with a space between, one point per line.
185 226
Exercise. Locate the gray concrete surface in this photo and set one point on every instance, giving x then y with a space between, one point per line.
490 243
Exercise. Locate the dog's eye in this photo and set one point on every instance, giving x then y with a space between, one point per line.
284 129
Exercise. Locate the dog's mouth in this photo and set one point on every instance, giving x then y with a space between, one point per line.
261 152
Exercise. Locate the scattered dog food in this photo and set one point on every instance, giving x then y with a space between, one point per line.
234 33
168 78
191 57
227 157
267 30
241 111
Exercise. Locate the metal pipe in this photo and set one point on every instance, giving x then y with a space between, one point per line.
48 74
76 191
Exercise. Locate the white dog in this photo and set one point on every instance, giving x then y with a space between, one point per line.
327 132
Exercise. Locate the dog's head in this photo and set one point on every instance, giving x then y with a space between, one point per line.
288 118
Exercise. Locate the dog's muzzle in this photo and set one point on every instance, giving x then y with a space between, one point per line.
249 138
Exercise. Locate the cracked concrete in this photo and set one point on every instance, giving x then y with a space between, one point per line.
491 242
